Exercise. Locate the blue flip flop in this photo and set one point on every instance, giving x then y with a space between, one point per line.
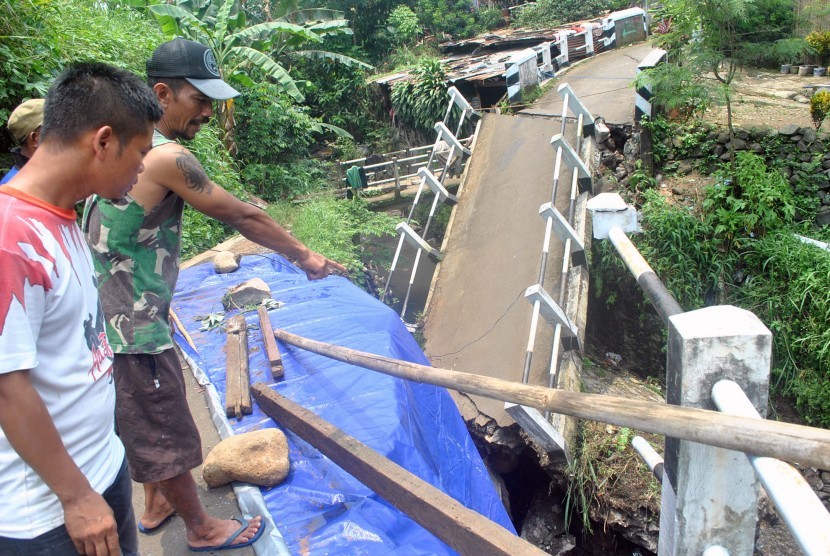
228 544
148 530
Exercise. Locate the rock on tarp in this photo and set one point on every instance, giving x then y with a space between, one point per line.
320 508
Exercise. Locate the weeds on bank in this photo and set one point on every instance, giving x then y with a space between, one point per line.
739 248
334 228
606 462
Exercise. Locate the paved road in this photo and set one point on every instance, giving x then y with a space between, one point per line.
603 83
478 320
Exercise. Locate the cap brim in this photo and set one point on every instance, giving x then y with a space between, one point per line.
213 88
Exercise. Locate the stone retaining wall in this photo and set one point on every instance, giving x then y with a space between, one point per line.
804 152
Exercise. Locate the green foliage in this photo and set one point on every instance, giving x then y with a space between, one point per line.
287 180
451 17
678 91
783 51
240 46
549 13
765 34
404 25
766 22
820 42
820 107
740 249
336 229
421 101
765 202
40 37
684 251
343 97
489 18
270 128
789 289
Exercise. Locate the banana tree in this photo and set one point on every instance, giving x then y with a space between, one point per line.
240 47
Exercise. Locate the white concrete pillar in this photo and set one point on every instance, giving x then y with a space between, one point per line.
710 495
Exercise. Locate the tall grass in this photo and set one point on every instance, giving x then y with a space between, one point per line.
334 228
789 289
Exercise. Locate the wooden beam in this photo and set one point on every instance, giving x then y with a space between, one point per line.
271 350
182 329
464 530
237 378
785 441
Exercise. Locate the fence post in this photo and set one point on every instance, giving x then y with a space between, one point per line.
710 495
397 175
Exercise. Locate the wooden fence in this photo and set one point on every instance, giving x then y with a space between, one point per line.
813 15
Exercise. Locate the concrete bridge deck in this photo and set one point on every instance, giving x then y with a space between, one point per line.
476 319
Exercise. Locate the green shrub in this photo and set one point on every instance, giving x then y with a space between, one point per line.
764 203
452 17
41 38
677 91
422 101
684 251
549 13
270 128
404 25
788 287
343 97
820 42
490 18
820 107
336 229
287 180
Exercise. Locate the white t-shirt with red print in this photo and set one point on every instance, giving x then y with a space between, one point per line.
51 323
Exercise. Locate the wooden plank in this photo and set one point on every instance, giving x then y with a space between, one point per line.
464 530
182 329
271 350
237 378
784 441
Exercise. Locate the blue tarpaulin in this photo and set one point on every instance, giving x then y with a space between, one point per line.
319 508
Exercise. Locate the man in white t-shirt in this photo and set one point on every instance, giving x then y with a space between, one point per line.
64 483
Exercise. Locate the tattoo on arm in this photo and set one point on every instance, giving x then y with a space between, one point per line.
194 175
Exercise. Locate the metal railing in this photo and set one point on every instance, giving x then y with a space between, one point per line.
709 502
435 182
561 227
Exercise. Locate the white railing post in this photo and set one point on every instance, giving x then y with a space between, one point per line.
710 495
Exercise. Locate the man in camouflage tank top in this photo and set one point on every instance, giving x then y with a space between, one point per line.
136 243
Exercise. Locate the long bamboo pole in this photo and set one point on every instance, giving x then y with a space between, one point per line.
785 441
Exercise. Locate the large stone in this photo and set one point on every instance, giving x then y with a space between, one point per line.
823 217
225 262
738 144
809 134
685 167
788 130
258 457
601 131
250 293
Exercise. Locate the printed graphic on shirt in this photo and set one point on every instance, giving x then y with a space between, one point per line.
31 264
27 239
96 339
